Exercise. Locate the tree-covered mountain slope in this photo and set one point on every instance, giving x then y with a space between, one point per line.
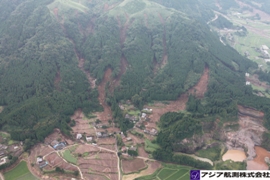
54 54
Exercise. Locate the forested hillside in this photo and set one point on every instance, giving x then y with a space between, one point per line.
51 52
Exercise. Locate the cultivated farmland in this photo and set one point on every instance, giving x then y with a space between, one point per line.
20 172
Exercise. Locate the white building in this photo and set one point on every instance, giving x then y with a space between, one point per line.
143 115
247 83
267 60
79 136
39 160
264 47
247 74
89 138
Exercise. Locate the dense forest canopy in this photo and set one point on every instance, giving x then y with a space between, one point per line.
162 44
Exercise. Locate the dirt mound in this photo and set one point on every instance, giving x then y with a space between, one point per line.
201 87
135 165
106 115
249 133
250 112
180 104
261 154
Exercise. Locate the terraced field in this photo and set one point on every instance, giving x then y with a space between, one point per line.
169 172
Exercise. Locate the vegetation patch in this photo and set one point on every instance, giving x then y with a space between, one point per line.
210 153
20 172
69 157
150 147
169 172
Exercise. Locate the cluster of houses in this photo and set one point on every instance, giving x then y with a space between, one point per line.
124 149
88 138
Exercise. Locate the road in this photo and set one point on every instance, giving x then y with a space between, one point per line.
215 18
1 176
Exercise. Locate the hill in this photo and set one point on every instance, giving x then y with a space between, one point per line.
60 56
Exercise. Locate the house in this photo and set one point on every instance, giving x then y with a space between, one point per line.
89 138
247 74
101 134
132 148
3 153
267 60
265 53
59 146
79 136
143 115
54 142
153 132
16 147
247 83
43 164
147 110
124 149
129 138
39 160
264 47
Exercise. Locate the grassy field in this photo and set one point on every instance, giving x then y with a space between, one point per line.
210 153
20 172
169 172
150 147
69 157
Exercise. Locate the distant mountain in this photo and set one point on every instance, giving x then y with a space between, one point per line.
54 54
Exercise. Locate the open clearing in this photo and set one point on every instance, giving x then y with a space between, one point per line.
135 165
170 172
20 172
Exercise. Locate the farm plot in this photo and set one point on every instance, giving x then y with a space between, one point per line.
152 167
83 125
20 172
106 141
135 165
170 172
97 163
55 160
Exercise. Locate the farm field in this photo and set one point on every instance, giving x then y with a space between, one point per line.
69 157
169 172
20 172
150 147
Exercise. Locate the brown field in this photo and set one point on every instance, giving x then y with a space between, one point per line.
109 146
152 167
136 139
135 165
39 150
82 124
86 148
106 141
142 152
261 154
55 160
94 177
